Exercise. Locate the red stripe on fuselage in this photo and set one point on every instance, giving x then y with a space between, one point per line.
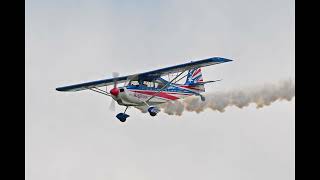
160 94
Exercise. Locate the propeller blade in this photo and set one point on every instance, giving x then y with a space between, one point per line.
115 75
112 106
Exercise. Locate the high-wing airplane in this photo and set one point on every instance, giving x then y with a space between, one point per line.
145 91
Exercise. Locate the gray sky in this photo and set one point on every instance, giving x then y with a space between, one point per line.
75 136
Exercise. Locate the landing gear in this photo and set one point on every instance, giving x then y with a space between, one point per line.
153 111
123 116
202 98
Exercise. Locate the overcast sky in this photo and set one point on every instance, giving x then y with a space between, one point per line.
74 136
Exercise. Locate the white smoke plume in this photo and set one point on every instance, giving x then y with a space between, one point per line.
262 96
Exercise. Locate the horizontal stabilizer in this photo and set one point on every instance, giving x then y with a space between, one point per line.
202 83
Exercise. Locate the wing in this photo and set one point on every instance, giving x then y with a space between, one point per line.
151 75
92 84
181 67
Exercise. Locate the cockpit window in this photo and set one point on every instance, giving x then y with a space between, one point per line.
133 83
152 84
158 84
148 83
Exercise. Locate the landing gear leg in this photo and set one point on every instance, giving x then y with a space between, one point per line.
202 98
125 109
123 116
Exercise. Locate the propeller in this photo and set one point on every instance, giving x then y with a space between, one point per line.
115 75
114 92
112 106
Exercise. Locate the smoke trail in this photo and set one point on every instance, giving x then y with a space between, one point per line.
260 95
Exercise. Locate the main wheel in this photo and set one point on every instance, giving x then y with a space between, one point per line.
153 111
122 117
152 114
122 120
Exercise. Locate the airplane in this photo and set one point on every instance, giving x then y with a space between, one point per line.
146 91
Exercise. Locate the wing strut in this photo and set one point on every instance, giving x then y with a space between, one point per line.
99 91
180 78
165 86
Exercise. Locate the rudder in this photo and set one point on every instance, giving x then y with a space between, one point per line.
194 77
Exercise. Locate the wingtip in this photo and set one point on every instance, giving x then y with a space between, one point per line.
220 59
225 59
59 89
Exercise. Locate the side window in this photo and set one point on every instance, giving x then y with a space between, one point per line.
160 85
134 83
148 83
145 83
156 84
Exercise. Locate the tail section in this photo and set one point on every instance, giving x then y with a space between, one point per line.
194 76
194 80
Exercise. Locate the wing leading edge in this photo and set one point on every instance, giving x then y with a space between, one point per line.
150 75
88 85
